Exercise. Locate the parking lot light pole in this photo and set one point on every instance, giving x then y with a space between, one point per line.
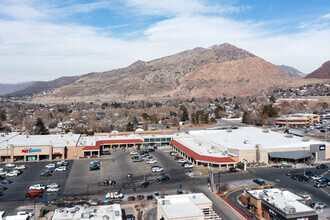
304 162
277 180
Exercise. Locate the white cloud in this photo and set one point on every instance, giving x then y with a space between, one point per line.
326 16
35 49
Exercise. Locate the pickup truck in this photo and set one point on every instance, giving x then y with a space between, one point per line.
115 195
34 193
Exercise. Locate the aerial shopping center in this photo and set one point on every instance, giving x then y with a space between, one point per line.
217 148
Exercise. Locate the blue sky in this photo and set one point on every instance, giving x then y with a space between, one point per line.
43 40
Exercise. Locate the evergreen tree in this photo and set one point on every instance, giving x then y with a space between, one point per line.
272 99
40 127
145 116
270 111
129 126
184 113
135 121
245 117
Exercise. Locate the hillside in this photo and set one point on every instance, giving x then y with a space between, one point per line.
41 86
290 71
322 73
10 88
224 69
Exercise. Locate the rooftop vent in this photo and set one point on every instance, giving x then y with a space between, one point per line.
289 136
266 131
305 139
247 142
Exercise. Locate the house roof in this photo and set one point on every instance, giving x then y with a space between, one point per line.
197 156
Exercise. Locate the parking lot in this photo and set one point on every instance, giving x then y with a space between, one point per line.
30 176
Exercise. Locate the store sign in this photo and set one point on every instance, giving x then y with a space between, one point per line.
30 150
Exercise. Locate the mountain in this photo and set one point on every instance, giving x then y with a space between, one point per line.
322 73
220 70
41 86
9 88
290 71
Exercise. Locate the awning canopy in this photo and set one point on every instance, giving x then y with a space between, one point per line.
294 155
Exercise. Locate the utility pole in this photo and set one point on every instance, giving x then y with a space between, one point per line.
211 177
304 162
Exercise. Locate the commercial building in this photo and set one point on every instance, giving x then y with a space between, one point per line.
271 204
185 206
104 212
21 147
265 146
203 153
298 120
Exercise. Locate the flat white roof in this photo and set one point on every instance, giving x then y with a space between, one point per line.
282 200
184 205
91 140
16 139
246 138
202 146
90 212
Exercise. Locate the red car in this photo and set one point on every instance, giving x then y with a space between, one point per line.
33 193
177 158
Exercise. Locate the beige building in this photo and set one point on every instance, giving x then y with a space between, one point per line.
19 147
185 206
298 120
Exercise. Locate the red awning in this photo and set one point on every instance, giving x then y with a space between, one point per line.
89 148
197 156
120 141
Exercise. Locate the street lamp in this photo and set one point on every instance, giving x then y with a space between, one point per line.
304 161
277 180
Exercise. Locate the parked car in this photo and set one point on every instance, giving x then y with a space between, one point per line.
45 174
12 173
53 189
259 181
177 158
151 161
29 214
20 167
318 205
181 161
179 191
163 177
316 177
50 165
133 153
109 182
105 153
137 160
291 172
3 172
6 182
53 185
144 184
129 175
233 169
115 195
34 193
2 187
38 186
321 184
188 165
131 198
303 178
308 173
157 169
173 153
61 168
62 163
94 167
306 197
156 195
322 166
10 165
295 177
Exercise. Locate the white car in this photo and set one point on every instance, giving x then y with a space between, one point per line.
12 173
50 165
115 195
10 165
53 185
39 186
60 168
53 189
317 177
3 172
151 161
306 197
188 165
30 214
181 161
20 167
157 169
134 153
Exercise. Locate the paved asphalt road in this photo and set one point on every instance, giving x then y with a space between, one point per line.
79 181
